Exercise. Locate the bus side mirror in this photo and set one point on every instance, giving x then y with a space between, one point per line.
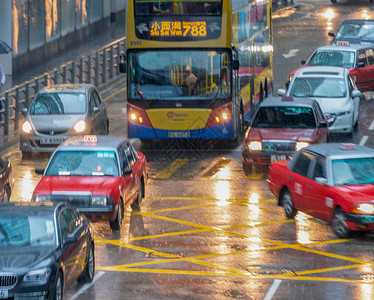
122 64
235 64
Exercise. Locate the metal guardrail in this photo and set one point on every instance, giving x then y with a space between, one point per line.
98 68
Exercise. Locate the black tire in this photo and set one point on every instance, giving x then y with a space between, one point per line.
89 271
136 204
59 287
288 205
339 224
116 224
247 169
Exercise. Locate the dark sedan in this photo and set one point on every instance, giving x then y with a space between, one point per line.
6 180
44 247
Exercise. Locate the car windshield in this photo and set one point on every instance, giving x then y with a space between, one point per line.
18 230
59 103
318 87
284 117
344 59
356 30
179 75
353 171
83 163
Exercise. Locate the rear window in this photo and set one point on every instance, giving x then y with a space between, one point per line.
285 117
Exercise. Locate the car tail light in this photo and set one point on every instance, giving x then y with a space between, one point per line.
138 115
219 115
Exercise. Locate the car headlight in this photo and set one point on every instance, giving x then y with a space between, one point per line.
102 200
364 208
301 145
40 198
80 126
38 275
26 127
255 146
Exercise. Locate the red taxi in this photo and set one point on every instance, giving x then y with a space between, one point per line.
333 182
358 59
281 126
100 175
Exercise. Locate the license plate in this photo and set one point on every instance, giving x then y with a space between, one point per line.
51 141
178 134
3 294
277 157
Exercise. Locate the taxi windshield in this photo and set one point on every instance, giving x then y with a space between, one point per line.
18 230
320 87
179 75
353 171
344 59
284 117
83 163
59 103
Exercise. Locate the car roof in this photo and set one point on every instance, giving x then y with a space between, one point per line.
288 101
63 88
90 142
350 47
26 208
341 150
324 71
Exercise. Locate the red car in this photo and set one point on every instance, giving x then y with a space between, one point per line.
280 127
100 175
333 182
358 59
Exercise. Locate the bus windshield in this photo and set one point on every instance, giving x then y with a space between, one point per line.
179 75
180 7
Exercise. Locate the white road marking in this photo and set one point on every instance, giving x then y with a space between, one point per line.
291 53
87 285
363 140
273 289
371 127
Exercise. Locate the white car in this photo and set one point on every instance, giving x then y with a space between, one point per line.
335 91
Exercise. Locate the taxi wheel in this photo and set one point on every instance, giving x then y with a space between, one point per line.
136 204
89 271
116 224
339 224
247 169
288 206
58 287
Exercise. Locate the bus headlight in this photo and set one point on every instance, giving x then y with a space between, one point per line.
301 145
26 127
255 146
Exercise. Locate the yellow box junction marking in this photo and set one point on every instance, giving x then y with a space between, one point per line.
172 168
223 270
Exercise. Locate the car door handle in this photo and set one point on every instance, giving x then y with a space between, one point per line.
308 186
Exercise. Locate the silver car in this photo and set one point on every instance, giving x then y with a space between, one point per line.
59 111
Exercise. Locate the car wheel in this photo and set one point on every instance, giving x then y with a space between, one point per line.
136 204
89 271
247 169
58 287
116 224
288 206
339 224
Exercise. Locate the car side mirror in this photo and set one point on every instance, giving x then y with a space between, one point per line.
321 180
70 238
24 110
39 171
356 93
331 33
303 62
126 171
361 64
322 124
95 110
281 92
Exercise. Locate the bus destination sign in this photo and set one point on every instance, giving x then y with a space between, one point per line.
178 29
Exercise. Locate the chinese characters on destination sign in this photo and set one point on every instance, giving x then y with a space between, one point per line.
178 28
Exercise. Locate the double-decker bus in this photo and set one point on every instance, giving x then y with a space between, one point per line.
196 68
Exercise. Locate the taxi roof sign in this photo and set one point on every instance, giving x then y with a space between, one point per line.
347 146
342 43
90 139
287 98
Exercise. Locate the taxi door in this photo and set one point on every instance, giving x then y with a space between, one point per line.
316 194
361 74
130 162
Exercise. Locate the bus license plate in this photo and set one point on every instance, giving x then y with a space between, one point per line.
3 294
178 134
55 141
277 157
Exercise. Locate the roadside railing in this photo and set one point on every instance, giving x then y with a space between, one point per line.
97 68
